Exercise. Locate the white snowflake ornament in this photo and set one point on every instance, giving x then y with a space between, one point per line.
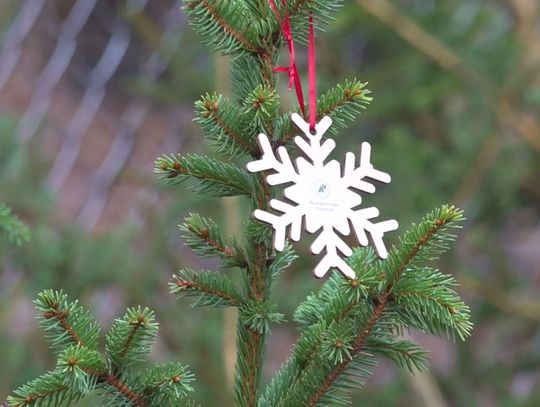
323 195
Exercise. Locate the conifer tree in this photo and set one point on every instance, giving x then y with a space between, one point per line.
346 325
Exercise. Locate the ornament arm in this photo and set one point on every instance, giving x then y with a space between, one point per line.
332 242
285 170
361 224
290 216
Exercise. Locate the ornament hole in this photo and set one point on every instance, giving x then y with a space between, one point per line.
313 132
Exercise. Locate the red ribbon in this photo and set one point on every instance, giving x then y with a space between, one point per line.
312 77
292 70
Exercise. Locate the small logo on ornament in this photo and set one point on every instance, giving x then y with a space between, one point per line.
322 189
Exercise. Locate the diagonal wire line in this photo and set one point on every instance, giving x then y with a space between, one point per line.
11 50
91 102
88 108
115 160
55 68
119 153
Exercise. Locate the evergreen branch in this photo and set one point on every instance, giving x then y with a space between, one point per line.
357 347
299 10
65 323
213 178
429 234
257 7
221 123
342 103
369 279
81 368
205 238
119 389
49 389
406 354
424 300
314 373
322 7
326 307
281 261
322 314
258 315
130 338
275 392
251 340
259 109
328 338
258 232
125 391
12 227
363 301
166 384
224 25
337 343
296 6
248 364
249 71
309 343
53 389
422 243
208 289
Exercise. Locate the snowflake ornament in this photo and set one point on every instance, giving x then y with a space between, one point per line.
323 195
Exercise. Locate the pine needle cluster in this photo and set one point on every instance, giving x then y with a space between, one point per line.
345 326
73 335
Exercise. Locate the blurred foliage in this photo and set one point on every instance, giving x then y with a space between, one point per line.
444 134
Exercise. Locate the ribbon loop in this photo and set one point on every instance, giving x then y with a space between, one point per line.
312 77
294 77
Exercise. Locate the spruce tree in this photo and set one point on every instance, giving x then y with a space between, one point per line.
346 325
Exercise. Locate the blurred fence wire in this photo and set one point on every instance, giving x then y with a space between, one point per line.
62 62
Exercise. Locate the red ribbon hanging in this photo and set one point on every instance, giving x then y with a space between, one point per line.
294 78
292 70
312 77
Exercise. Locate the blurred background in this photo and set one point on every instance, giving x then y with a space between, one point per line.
92 91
